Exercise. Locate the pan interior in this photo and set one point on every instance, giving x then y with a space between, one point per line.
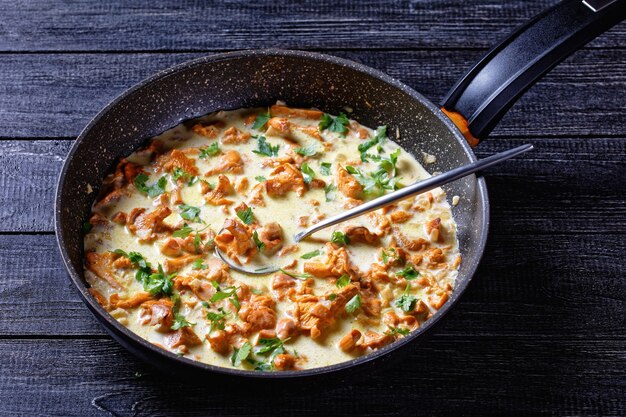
259 78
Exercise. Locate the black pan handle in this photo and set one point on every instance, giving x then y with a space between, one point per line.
486 92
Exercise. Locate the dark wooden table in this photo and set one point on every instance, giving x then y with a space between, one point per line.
542 328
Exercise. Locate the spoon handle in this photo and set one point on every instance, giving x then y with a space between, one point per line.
413 189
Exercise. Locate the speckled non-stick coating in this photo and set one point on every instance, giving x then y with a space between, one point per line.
251 79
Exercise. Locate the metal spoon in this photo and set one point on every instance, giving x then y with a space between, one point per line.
403 193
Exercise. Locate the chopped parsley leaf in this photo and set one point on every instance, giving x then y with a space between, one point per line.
179 173
391 255
353 304
398 330
295 275
255 236
312 254
87 227
211 150
154 190
224 293
265 148
406 302
342 281
329 190
260 178
260 366
246 215
261 120
310 150
307 173
198 264
375 182
337 124
159 282
241 354
408 273
218 320
339 238
155 283
325 168
197 241
180 322
190 213
377 140
183 232
389 164
267 346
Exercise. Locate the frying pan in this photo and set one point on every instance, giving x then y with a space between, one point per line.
304 79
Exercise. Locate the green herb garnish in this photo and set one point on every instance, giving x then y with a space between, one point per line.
180 322
325 168
337 124
180 173
211 150
87 227
265 148
224 293
409 273
406 302
260 366
375 182
393 254
329 190
198 264
267 346
312 254
260 178
342 281
190 213
246 215
159 283
377 140
261 120
339 238
241 354
154 190
398 330
255 236
310 150
183 232
218 320
155 283
307 173
295 275
353 304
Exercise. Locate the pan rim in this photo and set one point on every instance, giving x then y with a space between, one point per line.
117 330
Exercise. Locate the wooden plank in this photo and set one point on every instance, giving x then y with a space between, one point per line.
56 95
531 286
560 187
444 376
209 26
28 176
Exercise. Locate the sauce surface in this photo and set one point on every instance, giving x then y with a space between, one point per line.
248 180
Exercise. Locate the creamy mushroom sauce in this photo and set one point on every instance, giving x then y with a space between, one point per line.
402 260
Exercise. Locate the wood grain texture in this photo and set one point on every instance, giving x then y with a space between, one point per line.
447 376
541 329
560 187
219 25
532 286
56 95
